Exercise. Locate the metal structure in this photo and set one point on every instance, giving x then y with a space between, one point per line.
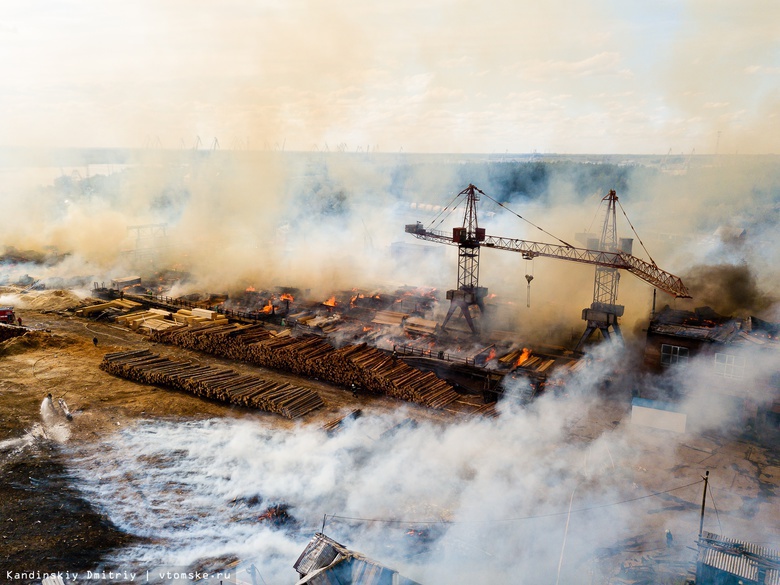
604 311
612 256
468 239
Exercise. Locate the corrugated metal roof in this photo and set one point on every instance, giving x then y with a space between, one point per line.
739 558
722 333
320 552
326 562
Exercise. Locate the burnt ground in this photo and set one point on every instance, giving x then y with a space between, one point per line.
46 524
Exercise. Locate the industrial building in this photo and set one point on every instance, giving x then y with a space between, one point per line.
732 348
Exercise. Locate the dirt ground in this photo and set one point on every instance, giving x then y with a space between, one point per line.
44 518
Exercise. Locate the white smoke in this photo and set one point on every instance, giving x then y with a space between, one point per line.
487 499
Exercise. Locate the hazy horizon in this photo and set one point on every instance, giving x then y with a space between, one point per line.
684 77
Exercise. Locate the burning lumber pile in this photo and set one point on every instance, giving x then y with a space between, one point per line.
524 359
366 367
215 383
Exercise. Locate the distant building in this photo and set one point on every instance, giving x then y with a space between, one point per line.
731 346
726 561
326 562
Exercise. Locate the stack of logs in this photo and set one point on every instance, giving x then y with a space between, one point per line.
365 367
214 383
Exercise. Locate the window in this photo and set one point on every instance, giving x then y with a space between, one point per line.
674 355
729 366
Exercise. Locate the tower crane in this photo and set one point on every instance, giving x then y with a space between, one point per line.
610 257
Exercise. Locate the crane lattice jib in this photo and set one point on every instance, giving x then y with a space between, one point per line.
646 271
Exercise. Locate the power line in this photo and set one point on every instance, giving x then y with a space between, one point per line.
525 220
516 519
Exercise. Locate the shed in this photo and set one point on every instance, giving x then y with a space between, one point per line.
327 562
727 561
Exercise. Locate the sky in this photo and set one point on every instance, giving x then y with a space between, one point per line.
596 76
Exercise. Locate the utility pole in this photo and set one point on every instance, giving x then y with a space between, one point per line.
706 479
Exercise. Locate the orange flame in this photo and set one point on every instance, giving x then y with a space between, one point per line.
491 355
331 302
287 297
269 307
250 288
523 357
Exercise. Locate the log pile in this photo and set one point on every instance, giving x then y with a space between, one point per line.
365 367
215 383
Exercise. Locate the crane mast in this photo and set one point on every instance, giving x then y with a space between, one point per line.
611 256
604 311
468 239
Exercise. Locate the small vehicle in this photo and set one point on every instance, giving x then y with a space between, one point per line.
7 315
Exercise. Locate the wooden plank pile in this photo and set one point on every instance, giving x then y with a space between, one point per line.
215 383
393 318
525 360
510 358
420 326
136 319
486 410
366 367
334 424
115 305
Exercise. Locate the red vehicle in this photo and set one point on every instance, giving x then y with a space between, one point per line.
7 315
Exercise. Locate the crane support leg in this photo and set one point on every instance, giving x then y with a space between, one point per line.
603 317
588 332
465 298
464 307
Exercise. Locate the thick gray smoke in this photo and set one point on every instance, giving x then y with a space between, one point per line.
729 289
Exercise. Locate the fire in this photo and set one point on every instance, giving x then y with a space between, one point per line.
491 355
250 288
287 297
268 309
331 302
523 357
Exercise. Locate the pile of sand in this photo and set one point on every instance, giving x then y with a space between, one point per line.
51 300
34 340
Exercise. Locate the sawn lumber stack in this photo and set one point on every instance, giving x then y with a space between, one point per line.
215 383
368 368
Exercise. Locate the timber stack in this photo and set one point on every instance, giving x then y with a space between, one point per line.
215 383
352 366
